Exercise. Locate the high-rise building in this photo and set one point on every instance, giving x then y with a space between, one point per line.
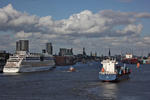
148 54
65 52
17 46
22 45
49 48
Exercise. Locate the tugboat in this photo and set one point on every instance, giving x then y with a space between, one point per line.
72 69
111 71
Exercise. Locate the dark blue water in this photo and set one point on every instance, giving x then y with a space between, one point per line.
136 88
60 84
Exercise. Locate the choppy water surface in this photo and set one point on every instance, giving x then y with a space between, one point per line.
59 84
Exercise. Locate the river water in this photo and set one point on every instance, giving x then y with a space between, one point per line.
60 84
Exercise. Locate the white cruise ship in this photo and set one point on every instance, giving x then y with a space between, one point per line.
27 62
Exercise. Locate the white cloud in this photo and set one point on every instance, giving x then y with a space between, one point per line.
126 1
143 15
131 29
85 23
134 28
102 27
23 35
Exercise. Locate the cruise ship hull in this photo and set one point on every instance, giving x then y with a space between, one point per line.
12 70
29 69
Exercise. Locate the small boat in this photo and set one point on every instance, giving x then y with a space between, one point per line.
111 71
72 69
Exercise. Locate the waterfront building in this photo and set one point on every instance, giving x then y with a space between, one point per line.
3 58
66 52
49 48
129 56
22 45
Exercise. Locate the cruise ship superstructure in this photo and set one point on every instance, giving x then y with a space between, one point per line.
23 61
27 62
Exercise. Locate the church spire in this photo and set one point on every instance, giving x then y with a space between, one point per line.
109 53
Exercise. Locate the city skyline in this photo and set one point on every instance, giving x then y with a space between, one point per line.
95 25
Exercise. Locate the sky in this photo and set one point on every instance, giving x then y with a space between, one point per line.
97 25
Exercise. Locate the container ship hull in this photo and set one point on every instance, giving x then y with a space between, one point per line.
113 77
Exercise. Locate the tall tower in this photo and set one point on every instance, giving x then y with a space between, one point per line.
109 54
84 53
22 45
49 48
